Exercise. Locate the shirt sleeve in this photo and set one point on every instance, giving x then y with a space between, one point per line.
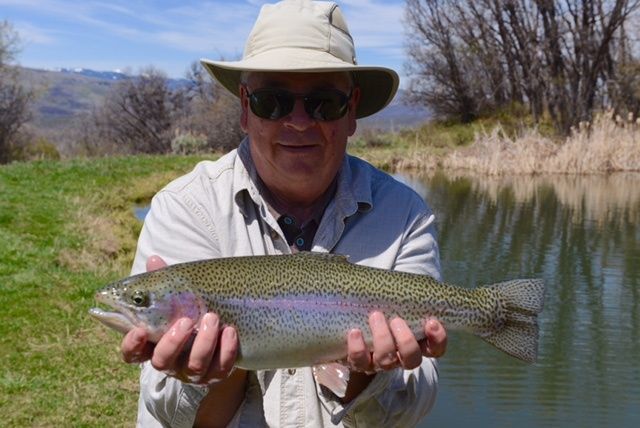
174 231
419 251
398 398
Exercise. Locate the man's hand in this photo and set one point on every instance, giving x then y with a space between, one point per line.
211 356
394 345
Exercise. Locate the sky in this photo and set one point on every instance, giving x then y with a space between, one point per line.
128 35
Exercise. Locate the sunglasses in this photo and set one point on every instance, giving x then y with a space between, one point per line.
323 104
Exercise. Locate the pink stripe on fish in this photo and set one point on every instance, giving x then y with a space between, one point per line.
310 303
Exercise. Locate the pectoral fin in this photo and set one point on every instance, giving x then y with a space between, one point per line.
332 375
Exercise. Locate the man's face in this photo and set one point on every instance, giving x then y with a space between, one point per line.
297 156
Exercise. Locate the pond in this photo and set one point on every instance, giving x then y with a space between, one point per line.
582 236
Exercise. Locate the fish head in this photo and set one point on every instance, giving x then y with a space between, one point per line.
153 301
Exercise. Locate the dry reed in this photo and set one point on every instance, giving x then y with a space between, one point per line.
606 145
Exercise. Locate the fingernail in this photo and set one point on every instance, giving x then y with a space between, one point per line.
377 318
210 321
231 333
396 324
185 325
433 325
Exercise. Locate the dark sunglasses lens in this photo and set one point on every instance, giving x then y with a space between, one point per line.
274 104
330 104
271 104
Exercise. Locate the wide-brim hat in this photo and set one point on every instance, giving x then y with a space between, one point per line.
307 37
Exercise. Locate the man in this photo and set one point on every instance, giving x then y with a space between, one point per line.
290 187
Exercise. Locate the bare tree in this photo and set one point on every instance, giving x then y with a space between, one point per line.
14 99
136 114
437 65
564 58
210 111
143 115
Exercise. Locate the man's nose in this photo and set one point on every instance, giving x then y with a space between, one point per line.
298 118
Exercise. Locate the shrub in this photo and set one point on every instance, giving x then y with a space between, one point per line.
38 148
189 144
607 144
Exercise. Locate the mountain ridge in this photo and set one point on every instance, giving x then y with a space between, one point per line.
63 94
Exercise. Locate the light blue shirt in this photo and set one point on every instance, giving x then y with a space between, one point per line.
217 211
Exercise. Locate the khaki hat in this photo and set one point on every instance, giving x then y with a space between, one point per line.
306 36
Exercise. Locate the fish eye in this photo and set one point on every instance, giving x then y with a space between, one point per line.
140 298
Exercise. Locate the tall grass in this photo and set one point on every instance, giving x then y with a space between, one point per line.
606 145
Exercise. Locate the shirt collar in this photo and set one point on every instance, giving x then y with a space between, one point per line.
245 178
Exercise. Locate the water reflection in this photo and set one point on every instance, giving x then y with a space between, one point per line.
141 211
582 235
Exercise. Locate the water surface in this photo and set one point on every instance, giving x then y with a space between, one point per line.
582 236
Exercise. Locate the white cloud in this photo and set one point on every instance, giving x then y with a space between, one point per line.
30 34
375 24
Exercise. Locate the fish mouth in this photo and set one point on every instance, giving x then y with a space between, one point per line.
122 320
114 320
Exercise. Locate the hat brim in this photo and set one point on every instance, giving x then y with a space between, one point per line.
378 85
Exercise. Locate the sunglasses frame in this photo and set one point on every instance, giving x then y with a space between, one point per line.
310 107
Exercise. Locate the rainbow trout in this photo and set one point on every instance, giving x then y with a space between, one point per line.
296 310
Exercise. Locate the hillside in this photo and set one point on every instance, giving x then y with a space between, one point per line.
396 115
60 96
63 95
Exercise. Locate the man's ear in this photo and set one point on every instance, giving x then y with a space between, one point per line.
244 105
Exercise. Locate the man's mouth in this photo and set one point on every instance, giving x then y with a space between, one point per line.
298 147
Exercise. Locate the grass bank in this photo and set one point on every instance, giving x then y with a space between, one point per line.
67 228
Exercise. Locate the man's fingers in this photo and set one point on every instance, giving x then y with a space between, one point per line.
204 345
358 356
170 345
384 347
134 346
155 262
225 356
406 343
435 343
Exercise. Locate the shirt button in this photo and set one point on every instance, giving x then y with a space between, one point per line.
291 372
299 242
288 220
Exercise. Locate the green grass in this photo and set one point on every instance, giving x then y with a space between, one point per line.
66 228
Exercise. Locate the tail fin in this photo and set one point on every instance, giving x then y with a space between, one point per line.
523 299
